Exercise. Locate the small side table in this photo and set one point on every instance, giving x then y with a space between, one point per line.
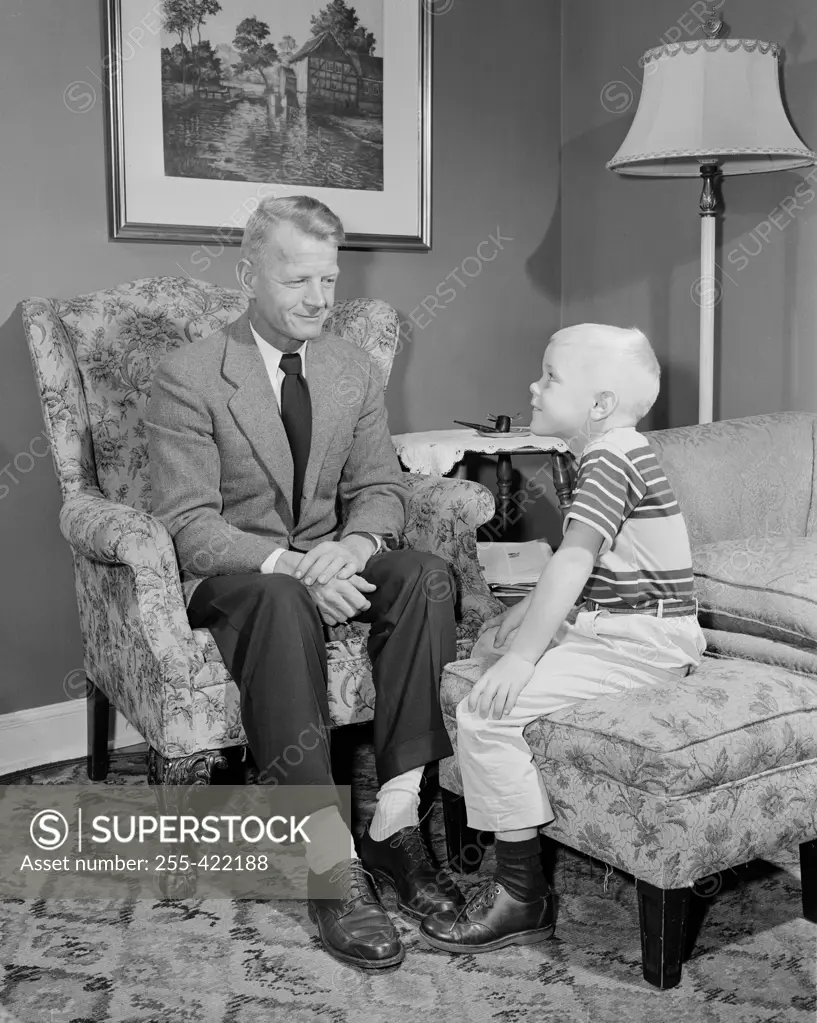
438 451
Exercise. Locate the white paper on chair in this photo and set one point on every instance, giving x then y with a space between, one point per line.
509 563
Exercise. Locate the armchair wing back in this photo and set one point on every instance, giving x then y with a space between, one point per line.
94 358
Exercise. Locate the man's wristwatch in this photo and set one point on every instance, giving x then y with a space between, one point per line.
378 540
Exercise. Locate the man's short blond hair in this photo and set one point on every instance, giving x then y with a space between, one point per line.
307 214
621 359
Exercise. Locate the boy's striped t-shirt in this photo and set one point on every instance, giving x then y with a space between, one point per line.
622 491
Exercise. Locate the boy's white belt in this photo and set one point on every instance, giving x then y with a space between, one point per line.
663 609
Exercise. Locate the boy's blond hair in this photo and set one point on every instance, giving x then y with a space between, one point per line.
621 359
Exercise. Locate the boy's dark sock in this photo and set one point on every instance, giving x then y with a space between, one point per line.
519 869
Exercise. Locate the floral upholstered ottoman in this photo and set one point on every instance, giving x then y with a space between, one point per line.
674 782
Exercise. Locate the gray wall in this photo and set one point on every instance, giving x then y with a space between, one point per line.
631 246
496 151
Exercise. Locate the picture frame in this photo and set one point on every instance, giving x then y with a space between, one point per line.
206 115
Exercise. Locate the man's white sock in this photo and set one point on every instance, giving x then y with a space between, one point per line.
330 841
397 804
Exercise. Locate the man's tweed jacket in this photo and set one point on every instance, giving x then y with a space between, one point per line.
220 466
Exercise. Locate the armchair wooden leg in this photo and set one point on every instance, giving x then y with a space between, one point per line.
808 875
173 780
194 769
465 846
98 708
663 914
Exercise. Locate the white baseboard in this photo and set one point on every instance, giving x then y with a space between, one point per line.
50 734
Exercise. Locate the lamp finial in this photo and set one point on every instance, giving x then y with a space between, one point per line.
714 22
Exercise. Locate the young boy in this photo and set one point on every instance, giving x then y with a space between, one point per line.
625 562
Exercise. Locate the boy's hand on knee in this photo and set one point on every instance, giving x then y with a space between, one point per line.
498 690
491 623
507 622
510 625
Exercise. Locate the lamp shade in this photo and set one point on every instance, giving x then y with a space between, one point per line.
713 101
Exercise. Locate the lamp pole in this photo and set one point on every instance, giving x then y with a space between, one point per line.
709 206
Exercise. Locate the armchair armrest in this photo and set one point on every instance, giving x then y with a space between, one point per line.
442 518
117 534
111 536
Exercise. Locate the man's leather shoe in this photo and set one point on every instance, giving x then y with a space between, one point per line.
353 926
491 919
402 861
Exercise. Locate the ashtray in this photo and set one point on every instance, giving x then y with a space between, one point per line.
489 431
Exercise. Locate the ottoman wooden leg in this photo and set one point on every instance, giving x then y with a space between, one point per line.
663 914
808 875
465 846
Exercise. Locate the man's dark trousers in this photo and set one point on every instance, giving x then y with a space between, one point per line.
271 637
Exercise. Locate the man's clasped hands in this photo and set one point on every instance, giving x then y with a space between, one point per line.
331 573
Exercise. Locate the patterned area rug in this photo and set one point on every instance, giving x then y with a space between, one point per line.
215 961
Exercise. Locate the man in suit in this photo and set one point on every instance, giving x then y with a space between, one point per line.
273 469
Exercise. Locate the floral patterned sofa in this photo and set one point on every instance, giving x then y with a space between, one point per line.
93 358
676 783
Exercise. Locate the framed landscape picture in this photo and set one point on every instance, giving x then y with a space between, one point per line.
216 104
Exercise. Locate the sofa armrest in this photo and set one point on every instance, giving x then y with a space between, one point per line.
111 536
442 518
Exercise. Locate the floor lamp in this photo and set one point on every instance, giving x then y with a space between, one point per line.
710 107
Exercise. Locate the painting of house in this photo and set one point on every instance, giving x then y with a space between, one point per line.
249 102
329 77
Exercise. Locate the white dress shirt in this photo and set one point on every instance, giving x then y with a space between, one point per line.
272 360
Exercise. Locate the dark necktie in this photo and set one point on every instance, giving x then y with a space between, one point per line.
296 413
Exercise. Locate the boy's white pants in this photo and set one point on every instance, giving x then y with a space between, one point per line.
598 655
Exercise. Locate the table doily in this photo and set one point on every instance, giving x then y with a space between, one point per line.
438 451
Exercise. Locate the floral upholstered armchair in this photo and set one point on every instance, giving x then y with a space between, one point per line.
93 358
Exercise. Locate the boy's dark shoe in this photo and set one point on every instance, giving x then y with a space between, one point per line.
353 926
403 862
491 919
